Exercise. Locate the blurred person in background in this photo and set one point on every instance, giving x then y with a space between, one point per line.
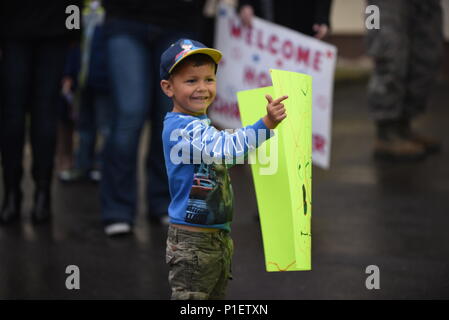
308 17
95 103
210 10
67 112
407 50
137 33
34 45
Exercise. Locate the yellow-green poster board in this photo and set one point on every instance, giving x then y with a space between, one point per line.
284 189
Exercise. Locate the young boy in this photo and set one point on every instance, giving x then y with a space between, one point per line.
199 247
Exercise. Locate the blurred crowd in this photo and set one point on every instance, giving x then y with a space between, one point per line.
82 97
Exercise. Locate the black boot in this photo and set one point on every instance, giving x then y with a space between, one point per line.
12 204
41 211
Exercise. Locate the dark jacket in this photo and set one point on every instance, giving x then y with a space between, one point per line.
36 19
98 70
165 13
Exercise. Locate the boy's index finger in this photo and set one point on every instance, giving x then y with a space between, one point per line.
279 100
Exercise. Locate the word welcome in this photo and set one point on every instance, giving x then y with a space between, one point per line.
284 48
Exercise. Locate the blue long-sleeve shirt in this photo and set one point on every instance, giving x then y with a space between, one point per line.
197 156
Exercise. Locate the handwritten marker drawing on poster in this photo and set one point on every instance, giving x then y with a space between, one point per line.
284 198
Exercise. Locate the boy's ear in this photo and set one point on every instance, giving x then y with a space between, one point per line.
167 88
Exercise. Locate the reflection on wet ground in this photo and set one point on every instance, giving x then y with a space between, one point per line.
365 213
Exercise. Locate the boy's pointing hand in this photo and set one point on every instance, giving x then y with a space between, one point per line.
275 111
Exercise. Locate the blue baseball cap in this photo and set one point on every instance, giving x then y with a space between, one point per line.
180 50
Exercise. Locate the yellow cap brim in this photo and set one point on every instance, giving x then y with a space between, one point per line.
215 54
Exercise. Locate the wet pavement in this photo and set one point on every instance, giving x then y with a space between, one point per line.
365 213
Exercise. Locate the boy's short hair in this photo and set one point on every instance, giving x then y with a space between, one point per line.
197 60
182 49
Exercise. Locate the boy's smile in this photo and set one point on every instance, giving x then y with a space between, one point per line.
192 88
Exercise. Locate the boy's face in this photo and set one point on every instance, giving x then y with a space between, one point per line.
192 88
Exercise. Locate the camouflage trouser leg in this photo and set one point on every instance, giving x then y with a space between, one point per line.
199 263
407 51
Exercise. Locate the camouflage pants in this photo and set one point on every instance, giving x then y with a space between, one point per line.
199 263
407 52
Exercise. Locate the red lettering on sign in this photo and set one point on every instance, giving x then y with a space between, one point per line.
273 39
303 56
263 80
254 79
236 30
249 75
260 39
317 61
319 142
283 49
249 36
287 49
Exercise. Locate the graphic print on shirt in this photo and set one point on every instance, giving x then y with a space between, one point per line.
210 199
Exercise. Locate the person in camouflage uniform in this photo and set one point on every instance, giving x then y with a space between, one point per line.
407 51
